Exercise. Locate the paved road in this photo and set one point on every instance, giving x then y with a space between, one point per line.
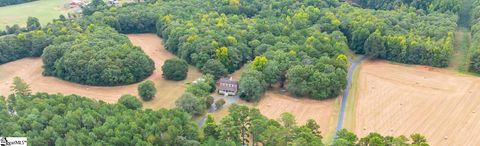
351 70
228 100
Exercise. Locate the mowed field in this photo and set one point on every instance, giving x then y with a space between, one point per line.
30 69
44 10
399 100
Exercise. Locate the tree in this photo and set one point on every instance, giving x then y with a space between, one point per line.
147 90
298 77
259 63
210 128
272 72
130 102
33 24
345 138
219 103
175 69
94 6
209 101
20 87
375 45
418 139
191 104
215 68
251 85
312 125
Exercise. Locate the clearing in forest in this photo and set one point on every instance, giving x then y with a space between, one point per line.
30 69
324 112
44 10
398 99
275 102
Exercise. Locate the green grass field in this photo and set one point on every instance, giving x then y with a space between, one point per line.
45 10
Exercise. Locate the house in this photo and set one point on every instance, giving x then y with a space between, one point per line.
227 86
76 3
113 2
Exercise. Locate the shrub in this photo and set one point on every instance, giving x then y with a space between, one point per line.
147 90
219 103
130 102
209 101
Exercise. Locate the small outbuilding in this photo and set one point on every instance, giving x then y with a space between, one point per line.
227 86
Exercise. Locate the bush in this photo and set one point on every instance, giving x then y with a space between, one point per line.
147 90
209 101
175 69
130 102
219 103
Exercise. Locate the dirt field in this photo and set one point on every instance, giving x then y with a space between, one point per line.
400 100
30 69
325 112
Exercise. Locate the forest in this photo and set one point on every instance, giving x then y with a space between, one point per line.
55 119
425 5
98 56
222 36
13 2
475 28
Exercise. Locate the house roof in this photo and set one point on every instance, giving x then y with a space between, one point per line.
227 80
227 84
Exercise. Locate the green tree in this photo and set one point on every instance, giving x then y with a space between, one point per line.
33 24
20 87
175 69
251 85
210 128
219 103
298 77
418 139
375 45
191 104
209 100
130 102
147 90
215 68
259 63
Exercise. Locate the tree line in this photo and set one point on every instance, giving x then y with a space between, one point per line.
424 5
26 42
55 119
13 2
475 30
401 36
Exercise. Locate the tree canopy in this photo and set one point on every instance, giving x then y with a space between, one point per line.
98 56
175 69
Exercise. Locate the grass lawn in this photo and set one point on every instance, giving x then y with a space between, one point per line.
349 119
45 10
